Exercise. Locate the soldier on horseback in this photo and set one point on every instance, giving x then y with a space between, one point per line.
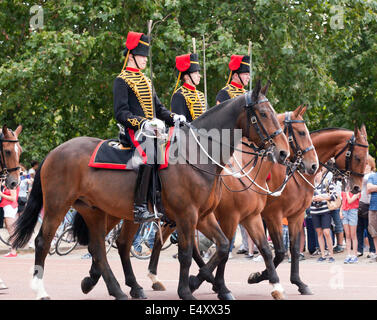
187 100
239 75
134 110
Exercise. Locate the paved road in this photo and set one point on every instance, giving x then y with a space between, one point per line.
63 275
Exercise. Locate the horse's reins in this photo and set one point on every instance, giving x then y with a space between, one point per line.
292 166
290 170
347 172
4 170
259 128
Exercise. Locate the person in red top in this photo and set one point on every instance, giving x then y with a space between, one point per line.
348 213
9 203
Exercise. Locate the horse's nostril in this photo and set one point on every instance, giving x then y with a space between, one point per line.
13 185
283 155
356 189
314 167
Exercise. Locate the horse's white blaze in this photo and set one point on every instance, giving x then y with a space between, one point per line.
16 149
153 277
38 287
277 287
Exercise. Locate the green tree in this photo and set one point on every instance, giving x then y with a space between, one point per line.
57 81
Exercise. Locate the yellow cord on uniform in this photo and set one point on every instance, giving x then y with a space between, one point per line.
176 85
229 78
125 61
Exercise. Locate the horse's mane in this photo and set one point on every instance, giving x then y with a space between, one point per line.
329 129
213 109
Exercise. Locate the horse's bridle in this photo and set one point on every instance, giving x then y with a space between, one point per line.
298 153
4 170
347 172
257 124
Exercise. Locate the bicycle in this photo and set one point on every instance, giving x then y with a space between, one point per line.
110 240
144 239
64 241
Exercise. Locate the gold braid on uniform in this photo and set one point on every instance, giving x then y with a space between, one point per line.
141 86
233 91
195 101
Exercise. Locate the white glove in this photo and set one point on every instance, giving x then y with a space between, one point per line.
179 117
154 125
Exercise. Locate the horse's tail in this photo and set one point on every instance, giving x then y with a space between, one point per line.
80 230
25 224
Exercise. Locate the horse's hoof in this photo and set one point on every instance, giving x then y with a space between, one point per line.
194 283
45 298
158 286
254 278
122 297
86 285
138 293
305 291
226 296
278 295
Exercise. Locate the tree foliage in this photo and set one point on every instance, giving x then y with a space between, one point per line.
57 81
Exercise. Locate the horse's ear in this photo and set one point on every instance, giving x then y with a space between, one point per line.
363 130
256 90
265 88
18 130
297 111
303 110
5 130
356 130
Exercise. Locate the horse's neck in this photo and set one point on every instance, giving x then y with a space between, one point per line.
220 118
328 144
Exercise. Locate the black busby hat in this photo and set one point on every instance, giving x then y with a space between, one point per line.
238 64
186 64
137 43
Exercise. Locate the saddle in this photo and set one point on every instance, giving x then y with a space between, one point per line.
112 154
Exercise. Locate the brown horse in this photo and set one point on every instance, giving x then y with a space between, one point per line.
242 201
189 192
350 149
10 152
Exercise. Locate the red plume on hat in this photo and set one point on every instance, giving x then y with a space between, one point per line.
183 62
235 62
133 39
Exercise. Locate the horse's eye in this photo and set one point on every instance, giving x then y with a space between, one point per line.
263 114
8 153
357 159
302 133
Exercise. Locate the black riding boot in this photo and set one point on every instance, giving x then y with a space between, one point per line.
141 212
